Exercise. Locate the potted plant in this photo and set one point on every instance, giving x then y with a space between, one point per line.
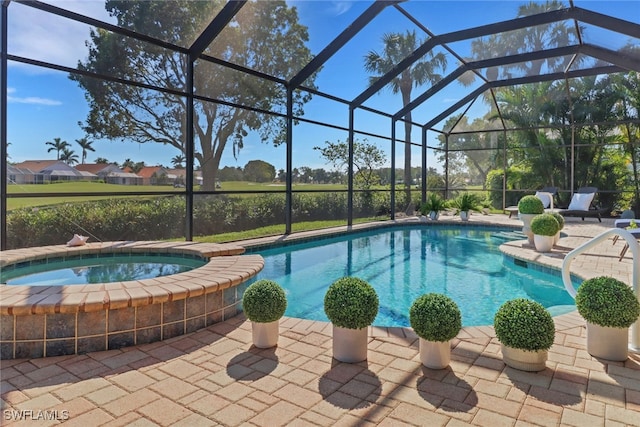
351 304
544 228
610 307
264 303
526 331
528 207
436 319
465 203
433 206
560 220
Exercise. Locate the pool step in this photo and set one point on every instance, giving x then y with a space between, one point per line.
510 235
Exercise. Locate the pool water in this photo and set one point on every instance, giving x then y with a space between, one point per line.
403 263
103 269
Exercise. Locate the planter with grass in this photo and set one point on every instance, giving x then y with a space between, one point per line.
436 319
432 207
465 203
528 207
264 303
351 304
526 331
610 307
544 228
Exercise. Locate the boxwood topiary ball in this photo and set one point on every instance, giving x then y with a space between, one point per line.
264 301
351 303
524 324
607 302
435 317
545 225
530 205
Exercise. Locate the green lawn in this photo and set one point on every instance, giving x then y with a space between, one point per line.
98 187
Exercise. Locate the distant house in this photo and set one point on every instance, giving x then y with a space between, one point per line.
19 176
156 175
181 176
111 173
45 171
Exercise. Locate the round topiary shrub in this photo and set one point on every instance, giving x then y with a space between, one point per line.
558 218
545 225
524 324
530 205
264 301
607 302
435 317
351 303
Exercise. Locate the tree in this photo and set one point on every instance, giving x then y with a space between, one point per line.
264 36
178 160
229 173
366 159
259 171
85 144
58 145
102 161
398 46
68 156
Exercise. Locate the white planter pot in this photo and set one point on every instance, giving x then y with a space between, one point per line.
435 354
265 335
350 345
433 216
464 215
423 218
556 238
543 243
608 343
526 225
531 361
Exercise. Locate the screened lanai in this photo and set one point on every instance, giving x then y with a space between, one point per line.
144 120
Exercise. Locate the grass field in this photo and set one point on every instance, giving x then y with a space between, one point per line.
96 187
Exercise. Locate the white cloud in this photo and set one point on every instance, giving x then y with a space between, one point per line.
340 7
46 37
31 99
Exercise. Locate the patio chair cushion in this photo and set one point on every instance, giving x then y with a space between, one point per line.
581 201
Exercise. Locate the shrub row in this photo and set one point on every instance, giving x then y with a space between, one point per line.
164 217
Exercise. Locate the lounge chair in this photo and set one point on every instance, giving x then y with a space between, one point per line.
582 205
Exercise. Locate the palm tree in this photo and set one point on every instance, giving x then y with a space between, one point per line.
58 145
178 160
397 47
69 156
85 144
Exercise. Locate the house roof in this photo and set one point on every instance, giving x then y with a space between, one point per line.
38 165
93 168
149 171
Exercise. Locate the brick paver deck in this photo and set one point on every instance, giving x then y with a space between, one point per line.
215 377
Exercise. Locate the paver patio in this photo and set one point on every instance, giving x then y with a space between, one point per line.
215 377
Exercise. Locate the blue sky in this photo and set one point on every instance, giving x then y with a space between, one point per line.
45 104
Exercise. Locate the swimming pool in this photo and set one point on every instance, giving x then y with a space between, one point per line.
101 268
404 262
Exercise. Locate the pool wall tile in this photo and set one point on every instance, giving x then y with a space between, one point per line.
6 350
195 306
61 325
193 324
214 301
6 328
214 317
122 319
61 347
170 330
231 311
173 311
92 323
89 344
30 327
148 335
229 296
148 315
119 340
29 349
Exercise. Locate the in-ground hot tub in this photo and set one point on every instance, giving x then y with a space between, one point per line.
40 321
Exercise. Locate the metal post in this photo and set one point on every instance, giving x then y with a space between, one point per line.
288 213
393 169
189 150
4 11
350 170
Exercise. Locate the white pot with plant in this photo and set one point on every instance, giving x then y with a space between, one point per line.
528 207
464 204
610 307
351 304
432 207
560 220
264 303
544 228
436 319
526 331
